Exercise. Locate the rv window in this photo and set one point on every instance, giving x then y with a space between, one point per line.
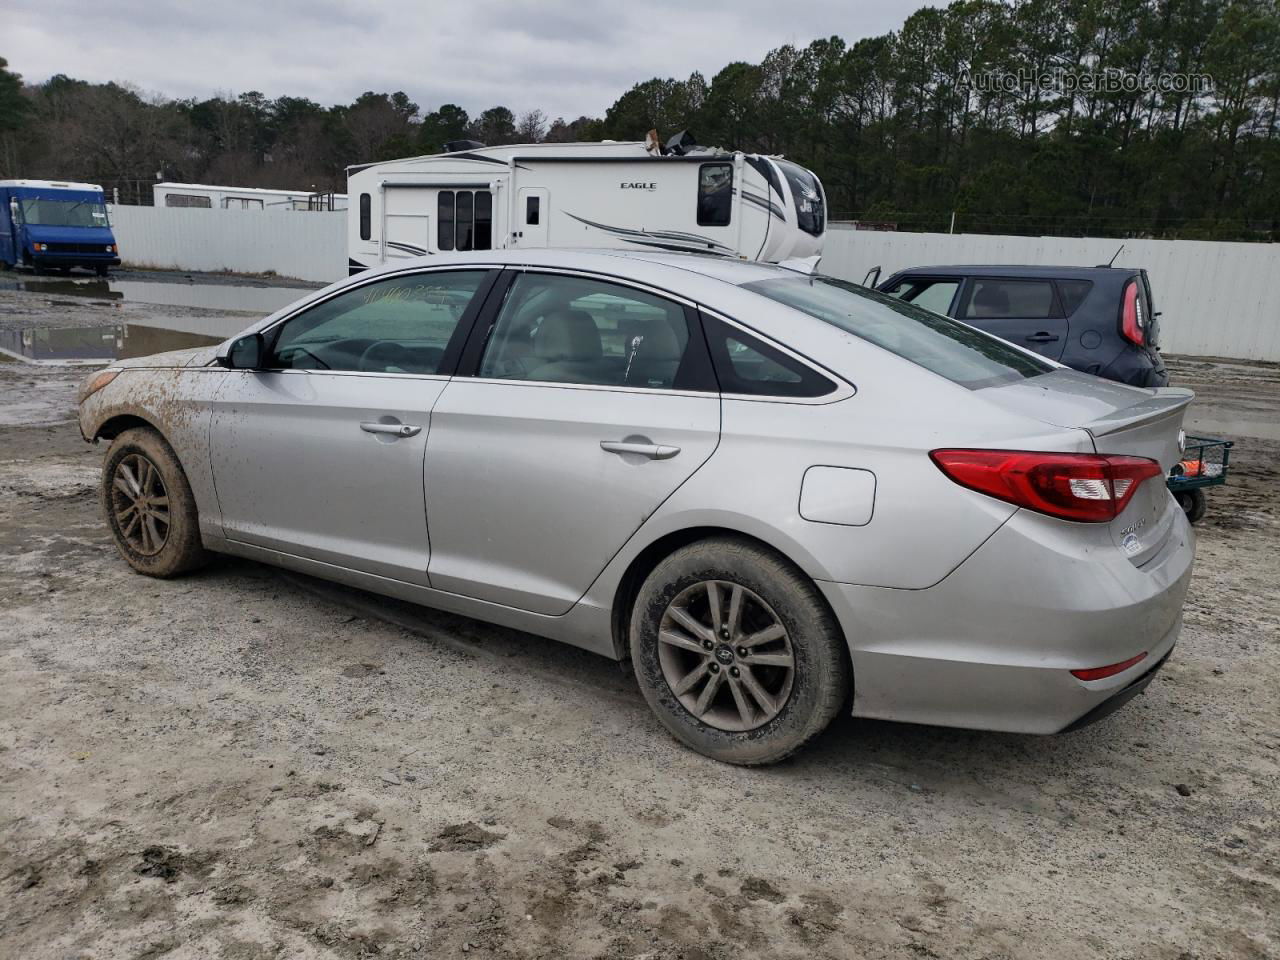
561 329
484 220
532 207
186 200
715 194
464 232
398 325
366 217
444 226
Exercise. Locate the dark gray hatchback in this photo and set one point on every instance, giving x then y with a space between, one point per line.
1096 319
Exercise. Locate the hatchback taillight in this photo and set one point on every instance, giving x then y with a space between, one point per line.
1132 323
1087 487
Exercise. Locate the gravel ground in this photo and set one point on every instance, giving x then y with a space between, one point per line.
248 764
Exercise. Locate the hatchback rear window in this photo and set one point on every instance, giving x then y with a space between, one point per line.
950 349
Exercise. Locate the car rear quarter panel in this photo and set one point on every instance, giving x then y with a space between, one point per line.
177 403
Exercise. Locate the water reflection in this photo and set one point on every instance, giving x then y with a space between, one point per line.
96 345
213 296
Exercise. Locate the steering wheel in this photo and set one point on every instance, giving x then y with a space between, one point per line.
386 356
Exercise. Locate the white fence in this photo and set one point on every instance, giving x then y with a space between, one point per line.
306 245
1216 299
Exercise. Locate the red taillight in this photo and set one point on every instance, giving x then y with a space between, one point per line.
1072 486
1101 673
1132 323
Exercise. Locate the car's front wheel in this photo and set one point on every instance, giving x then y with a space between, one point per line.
149 505
736 652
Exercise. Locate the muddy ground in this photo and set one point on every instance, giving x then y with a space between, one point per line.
247 764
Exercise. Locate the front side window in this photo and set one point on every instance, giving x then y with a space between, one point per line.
950 349
996 299
935 295
366 216
42 211
464 220
560 329
715 194
397 325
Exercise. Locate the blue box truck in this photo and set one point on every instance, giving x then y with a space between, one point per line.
52 225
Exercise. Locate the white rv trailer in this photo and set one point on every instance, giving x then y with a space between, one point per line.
583 195
201 195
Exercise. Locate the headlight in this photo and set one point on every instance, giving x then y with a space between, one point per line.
95 382
110 248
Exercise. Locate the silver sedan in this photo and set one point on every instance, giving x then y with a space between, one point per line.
778 495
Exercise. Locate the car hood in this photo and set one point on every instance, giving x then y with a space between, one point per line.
48 233
192 357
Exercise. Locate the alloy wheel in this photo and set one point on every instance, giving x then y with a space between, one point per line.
140 505
726 655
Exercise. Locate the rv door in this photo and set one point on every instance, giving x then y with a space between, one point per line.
533 215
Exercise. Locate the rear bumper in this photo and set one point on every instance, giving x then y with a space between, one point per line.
1138 367
992 646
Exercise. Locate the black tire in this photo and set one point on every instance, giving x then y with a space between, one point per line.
180 550
1193 503
820 681
101 271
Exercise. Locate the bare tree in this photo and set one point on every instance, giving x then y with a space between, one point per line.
532 126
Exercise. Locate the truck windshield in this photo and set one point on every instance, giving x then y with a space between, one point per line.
950 349
42 211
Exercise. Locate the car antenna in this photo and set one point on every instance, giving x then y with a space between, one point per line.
1113 257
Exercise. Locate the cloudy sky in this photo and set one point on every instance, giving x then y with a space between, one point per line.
567 58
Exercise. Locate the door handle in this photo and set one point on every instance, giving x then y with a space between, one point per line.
1042 337
395 429
654 451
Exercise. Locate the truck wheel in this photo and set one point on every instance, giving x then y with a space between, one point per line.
737 653
101 269
1193 504
149 505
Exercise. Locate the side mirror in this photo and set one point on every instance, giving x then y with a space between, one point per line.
245 353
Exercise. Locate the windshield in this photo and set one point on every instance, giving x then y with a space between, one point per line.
42 211
950 349
811 213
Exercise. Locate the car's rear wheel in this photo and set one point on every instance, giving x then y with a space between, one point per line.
736 652
149 505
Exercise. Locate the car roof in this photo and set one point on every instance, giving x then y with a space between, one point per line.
712 266
1019 270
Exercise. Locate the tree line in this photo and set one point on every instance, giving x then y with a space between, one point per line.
1084 117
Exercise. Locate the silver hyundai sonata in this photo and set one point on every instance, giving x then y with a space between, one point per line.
776 494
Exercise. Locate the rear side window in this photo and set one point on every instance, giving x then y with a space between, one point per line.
715 194
997 299
366 217
1072 294
748 366
935 295
952 350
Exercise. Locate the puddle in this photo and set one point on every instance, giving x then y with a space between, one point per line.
96 345
211 296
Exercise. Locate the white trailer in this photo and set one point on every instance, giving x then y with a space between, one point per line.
583 195
200 195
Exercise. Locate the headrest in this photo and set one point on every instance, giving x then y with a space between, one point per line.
991 297
567 335
658 342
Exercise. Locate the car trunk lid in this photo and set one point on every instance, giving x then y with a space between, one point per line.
1122 420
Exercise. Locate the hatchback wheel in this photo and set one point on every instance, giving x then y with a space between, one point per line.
149 505
736 652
